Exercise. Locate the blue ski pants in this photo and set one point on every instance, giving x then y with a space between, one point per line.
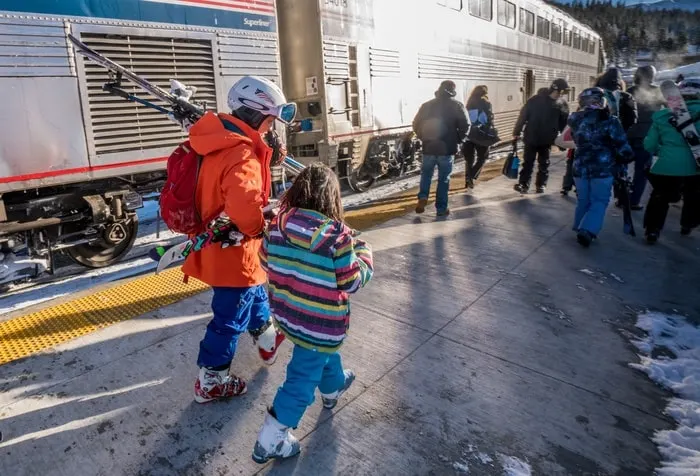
444 164
593 199
307 370
236 310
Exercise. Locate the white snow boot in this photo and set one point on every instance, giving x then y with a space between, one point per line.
330 400
274 441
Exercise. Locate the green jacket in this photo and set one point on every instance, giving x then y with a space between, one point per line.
664 141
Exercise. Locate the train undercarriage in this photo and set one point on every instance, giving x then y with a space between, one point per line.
94 224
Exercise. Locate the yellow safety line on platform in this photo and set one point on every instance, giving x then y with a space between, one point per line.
31 333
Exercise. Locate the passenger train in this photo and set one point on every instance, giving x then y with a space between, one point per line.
76 161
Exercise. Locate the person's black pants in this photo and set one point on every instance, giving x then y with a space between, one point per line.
667 189
474 164
532 153
567 182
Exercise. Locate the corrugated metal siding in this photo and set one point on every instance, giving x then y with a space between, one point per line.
464 67
240 55
336 60
34 48
120 126
384 63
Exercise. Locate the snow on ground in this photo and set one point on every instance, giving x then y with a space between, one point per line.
680 373
688 71
513 466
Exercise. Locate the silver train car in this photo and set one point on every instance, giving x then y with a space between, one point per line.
76 161
359 70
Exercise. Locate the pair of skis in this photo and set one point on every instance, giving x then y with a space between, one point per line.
183 110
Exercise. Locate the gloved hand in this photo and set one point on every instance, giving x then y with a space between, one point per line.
185 123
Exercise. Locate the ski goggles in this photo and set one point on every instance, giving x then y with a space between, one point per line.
285 112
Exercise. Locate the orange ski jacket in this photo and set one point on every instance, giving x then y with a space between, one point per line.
234 177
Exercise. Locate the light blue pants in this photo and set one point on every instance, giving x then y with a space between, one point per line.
593 199
444 164
306 371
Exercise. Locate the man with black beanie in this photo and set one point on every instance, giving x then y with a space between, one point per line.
543 117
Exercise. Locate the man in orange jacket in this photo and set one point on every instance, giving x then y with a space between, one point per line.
235 177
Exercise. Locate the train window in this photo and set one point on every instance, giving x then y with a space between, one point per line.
584 43
567 37
453 4
556 33
591 45
506 13
527 21
577 40
542 27
481 8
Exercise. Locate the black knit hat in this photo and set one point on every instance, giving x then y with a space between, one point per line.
448 87
559 85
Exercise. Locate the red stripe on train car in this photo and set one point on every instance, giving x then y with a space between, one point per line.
79 170
239 4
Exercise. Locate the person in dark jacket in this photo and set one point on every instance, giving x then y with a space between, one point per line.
620 103
480 113
649 99
543 116
442 125
601 146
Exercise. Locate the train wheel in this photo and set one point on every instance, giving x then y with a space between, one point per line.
357 181
117 240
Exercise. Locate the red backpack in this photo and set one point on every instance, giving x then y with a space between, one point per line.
178 206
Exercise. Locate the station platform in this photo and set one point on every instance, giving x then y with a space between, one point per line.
487 342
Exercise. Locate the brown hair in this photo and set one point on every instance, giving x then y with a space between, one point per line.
316 188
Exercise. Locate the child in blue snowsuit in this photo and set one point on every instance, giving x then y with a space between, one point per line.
601 150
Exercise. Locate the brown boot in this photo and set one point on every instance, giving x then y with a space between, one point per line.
422 202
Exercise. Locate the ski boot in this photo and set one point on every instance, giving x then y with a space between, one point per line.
584 238
652 237
330 400
268 340
540 189
520 188
274 441
216 384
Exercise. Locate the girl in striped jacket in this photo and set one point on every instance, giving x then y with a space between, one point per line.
313 262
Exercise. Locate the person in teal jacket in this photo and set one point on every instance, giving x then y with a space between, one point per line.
675 174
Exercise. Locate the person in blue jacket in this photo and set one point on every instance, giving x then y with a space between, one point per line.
601 150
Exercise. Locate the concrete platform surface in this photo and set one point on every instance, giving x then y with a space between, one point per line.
486 340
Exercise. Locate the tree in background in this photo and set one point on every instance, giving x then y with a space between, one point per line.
627 30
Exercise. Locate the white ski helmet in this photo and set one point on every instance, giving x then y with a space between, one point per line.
256 97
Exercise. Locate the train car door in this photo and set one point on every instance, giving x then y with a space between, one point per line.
528 85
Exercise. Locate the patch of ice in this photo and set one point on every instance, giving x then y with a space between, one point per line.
484 458
587 271
680 373
616 278
513 466
460 466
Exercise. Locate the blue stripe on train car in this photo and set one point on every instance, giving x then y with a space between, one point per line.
180 12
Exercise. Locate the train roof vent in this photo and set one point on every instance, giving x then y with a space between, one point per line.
119 125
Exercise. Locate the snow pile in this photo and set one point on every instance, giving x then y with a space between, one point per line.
679 448
513 466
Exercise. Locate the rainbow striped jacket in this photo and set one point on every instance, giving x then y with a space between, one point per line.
313 264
